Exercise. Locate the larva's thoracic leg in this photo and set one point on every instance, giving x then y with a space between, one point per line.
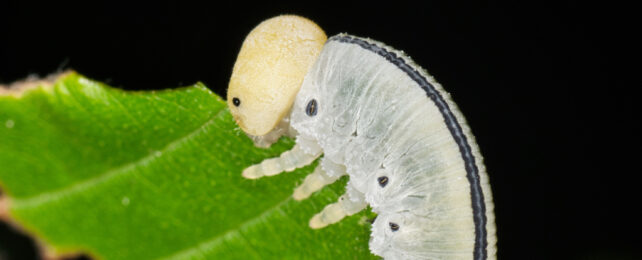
287 161
350 203
314 182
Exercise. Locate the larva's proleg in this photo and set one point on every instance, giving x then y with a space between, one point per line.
377 117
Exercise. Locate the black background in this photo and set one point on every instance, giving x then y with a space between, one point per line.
548 89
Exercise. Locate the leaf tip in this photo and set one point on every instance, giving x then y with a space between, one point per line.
18 88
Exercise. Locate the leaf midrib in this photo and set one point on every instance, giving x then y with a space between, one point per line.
47 197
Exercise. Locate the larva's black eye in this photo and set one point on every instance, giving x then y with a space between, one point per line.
311 109
383 180
236 101
393 226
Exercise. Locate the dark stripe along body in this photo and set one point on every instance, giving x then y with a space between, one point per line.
381 115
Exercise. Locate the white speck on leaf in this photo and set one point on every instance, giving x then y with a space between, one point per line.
125 201
9 124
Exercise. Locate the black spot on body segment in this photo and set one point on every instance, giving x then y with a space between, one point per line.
472 172
311 108
393 226
236 101
383 181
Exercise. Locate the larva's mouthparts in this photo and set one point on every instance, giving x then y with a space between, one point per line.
283 128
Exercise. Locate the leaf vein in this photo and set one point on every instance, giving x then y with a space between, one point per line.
215 241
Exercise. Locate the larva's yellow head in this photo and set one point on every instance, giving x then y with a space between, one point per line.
269 71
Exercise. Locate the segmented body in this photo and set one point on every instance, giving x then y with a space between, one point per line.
405 146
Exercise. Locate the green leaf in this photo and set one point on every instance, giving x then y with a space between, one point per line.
148 175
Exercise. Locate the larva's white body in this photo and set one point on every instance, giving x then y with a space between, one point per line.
375 119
